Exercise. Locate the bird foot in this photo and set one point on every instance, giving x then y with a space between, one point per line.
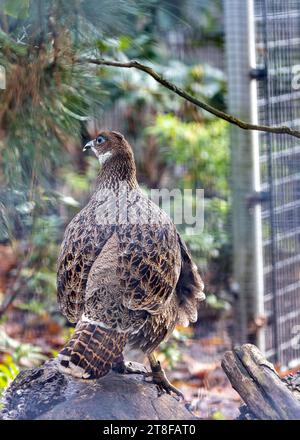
157 374
163 384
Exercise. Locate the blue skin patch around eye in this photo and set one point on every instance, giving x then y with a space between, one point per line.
101 139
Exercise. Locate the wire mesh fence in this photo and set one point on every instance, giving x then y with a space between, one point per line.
277 26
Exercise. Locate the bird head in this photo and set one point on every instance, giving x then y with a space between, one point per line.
107 145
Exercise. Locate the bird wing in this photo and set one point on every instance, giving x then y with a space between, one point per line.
157 328
83 242
149 265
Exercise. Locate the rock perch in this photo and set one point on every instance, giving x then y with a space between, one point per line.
46 393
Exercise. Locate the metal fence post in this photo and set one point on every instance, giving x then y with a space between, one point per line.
245 171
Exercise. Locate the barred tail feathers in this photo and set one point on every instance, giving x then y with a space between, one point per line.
91 351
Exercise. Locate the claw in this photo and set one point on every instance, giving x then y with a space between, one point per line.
163 384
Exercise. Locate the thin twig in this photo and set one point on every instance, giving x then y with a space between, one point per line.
169 85
15 288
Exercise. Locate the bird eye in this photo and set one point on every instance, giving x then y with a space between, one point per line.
100 139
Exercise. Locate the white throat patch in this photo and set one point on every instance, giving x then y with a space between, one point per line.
102 157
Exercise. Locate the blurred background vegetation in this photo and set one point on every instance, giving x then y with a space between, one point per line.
53 104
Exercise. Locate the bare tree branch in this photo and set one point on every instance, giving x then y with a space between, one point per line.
169 85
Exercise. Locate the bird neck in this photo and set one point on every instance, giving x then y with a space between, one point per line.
118 169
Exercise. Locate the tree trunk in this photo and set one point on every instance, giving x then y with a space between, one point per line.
266 396
45 393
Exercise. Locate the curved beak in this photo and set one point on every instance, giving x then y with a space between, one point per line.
88 146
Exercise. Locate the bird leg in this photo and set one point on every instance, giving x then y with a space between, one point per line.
157 373
159 377
122 367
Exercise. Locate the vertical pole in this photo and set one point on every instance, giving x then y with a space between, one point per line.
245 172
271 190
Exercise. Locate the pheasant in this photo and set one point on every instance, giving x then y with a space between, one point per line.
125 277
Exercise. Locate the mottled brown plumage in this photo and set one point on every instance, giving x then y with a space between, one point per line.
123 278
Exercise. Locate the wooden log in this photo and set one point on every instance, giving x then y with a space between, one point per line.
266 396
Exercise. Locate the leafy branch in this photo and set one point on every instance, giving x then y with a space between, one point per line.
180 92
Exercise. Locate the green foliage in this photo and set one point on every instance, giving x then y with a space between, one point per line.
22 354
137 90
33 306
16 8
170 351
218 415
8 371
202 17
200 154
214 237
201 148
217 303
16 356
